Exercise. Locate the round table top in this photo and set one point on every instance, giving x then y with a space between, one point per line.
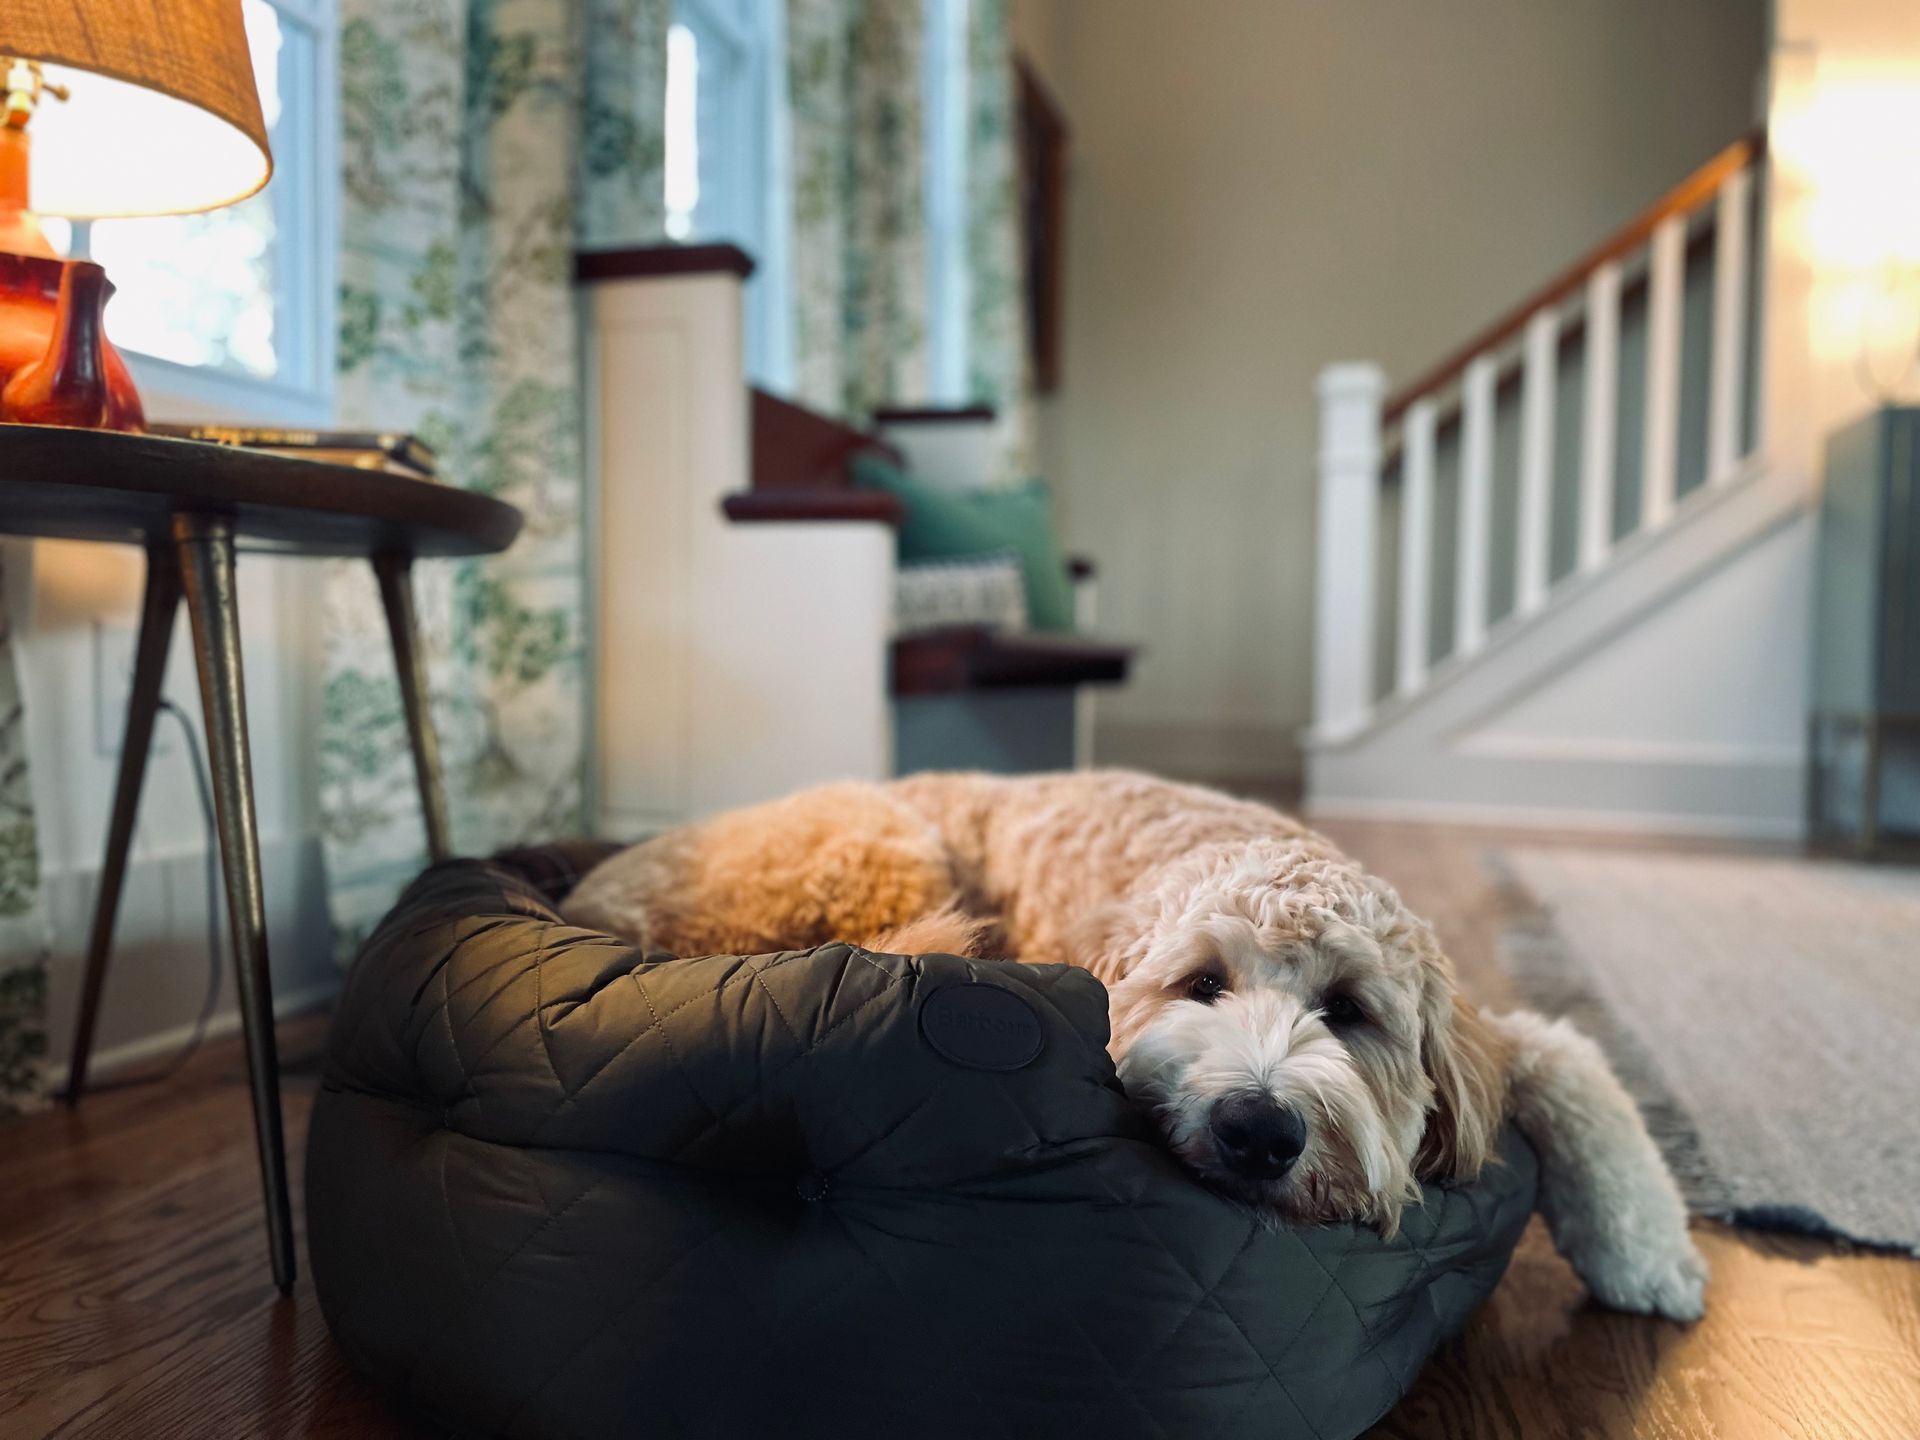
71 484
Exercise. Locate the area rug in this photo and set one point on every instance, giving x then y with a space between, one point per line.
1766 1013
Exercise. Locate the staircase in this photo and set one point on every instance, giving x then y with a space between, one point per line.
1560 580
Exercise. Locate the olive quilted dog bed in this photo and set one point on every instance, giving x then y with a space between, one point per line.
559 1188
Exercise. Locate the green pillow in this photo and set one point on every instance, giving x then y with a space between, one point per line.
948 525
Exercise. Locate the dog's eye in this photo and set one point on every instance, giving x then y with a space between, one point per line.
1206 987
1342 1011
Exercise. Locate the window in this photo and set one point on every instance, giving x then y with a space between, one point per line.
726 161
944 139
229 314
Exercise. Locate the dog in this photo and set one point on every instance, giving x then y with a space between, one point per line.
1298 1032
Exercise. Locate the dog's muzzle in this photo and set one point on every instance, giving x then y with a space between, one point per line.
1256 1138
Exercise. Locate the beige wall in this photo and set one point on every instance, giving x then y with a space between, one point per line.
1260 187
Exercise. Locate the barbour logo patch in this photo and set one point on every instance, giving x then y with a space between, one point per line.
983 1027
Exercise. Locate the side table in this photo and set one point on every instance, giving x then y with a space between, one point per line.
192 507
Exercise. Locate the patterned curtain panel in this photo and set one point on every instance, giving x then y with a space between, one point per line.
481 141
997 371
622 158
24 936
859 221
855 79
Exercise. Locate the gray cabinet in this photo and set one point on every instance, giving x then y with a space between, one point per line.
1864 793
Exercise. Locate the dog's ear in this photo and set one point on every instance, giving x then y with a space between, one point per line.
1468 1064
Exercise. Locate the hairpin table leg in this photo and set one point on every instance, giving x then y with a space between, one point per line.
395 573
206 562
157 613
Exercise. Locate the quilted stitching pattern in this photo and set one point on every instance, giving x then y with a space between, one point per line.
557 1187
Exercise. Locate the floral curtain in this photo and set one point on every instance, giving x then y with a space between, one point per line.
855 80
24 936
482 140
485 139
997 369
859 225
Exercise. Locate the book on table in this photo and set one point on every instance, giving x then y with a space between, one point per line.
393 452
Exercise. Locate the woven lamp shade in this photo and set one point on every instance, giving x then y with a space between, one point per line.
162 118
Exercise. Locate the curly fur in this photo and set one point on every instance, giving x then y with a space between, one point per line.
1148 884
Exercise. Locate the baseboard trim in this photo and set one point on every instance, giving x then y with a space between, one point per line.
158 971
1200 751
1547 817
1631 752
106 1064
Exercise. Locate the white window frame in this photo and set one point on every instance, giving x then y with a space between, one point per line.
306 210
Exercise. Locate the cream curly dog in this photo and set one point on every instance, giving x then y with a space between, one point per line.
1297 1030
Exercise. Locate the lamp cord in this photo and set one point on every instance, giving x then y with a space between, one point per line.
172 1067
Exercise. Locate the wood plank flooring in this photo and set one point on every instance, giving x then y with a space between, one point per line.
135 1299
1802 1340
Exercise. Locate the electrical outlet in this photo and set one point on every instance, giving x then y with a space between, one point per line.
113 652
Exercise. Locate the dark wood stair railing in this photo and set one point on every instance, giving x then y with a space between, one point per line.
1633 291
1691 192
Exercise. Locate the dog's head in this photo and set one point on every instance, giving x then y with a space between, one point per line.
1297 1031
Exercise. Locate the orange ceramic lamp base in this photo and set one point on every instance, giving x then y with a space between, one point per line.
20 232
57 366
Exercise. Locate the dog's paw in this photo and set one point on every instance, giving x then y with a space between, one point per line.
1666 1278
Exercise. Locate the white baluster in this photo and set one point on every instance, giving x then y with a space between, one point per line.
1471 577
1416 543
1599 415
1666 272
1350 397
1537 398
1729 373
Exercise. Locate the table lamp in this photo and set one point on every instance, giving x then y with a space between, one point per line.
110 108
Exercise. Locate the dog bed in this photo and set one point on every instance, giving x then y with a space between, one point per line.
559 1188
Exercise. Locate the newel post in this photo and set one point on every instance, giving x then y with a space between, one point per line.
1348 531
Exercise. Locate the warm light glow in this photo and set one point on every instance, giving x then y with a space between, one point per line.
120 149
1857 142
76 584
1845 145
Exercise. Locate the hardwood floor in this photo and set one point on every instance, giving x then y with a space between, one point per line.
135 1299
1802 1340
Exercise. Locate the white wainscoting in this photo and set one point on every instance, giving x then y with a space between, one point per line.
1665 693
75 607
731 662
157 981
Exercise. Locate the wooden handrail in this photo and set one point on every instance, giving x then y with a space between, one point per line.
1507 375
1690 192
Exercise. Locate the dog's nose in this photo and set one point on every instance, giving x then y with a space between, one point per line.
1257 1139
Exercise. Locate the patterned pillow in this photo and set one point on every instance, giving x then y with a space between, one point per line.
987 590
